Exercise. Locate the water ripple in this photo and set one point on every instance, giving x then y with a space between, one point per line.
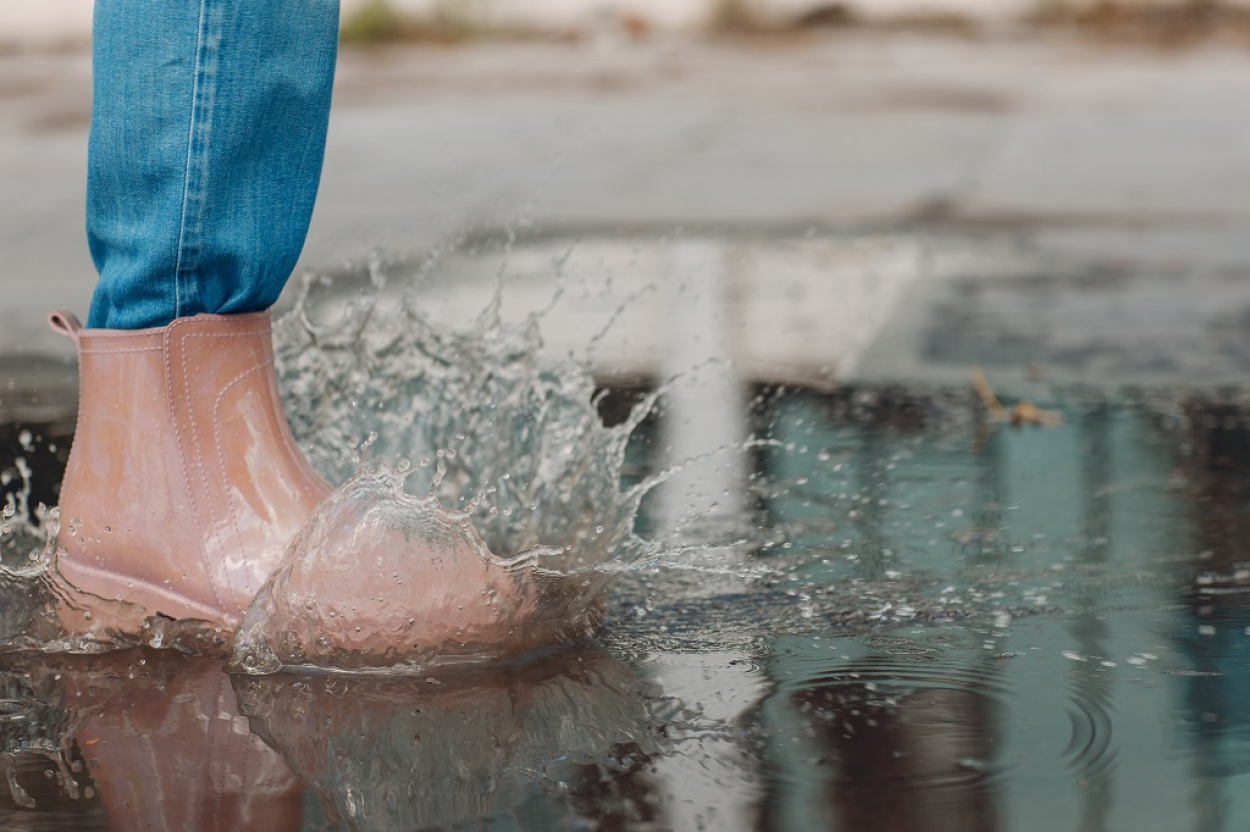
933 712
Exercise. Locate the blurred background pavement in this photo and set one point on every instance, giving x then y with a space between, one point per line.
884 189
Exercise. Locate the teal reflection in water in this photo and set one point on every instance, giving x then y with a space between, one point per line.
1065 698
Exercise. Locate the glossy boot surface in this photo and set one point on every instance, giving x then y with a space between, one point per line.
184 484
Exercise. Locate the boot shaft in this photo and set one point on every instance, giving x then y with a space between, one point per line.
184 483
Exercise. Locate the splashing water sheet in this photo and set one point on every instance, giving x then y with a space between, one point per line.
919 620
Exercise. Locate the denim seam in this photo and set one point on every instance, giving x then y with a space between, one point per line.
203 93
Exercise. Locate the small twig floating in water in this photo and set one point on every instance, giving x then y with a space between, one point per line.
1022 413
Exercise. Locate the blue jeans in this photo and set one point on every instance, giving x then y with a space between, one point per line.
207 135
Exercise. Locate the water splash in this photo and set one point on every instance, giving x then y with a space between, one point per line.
33 726
28 581
533 462
380 579
510 439
37 602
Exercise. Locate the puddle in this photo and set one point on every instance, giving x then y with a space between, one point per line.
885 610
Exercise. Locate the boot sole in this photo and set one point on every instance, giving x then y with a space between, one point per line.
152 598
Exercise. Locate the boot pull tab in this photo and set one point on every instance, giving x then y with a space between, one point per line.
64 322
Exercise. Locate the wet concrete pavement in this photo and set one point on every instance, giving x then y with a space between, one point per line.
1072 158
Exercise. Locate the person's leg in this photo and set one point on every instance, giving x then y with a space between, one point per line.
207 135
183 484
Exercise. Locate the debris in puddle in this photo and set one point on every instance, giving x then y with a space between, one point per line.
1022 413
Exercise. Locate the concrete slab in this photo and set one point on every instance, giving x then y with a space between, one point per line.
1090 155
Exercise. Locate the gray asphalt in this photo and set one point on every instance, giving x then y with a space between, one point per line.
1115 160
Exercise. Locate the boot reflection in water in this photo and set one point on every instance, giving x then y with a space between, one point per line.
469 748
167 749
207 136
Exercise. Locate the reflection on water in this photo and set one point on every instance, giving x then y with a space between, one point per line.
946 624
571 731
960 628
164 747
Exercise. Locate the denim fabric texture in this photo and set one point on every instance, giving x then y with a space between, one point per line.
207 135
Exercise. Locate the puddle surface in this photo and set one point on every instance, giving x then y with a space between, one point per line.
913 618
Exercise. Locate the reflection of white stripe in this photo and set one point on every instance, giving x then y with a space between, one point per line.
715 784
703 423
